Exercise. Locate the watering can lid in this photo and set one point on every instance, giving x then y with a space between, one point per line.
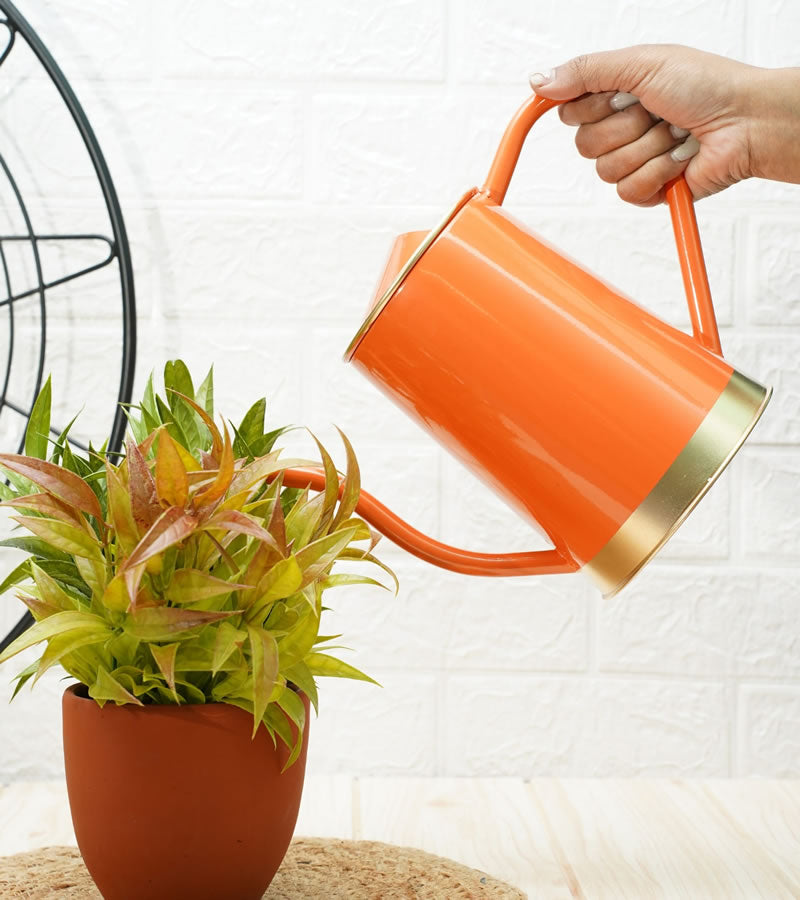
402 267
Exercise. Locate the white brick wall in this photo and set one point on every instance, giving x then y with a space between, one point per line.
265 154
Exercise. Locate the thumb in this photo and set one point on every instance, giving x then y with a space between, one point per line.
611 70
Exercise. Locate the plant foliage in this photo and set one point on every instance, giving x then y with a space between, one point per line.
184 572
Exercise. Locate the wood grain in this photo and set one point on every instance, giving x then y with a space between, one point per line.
556 839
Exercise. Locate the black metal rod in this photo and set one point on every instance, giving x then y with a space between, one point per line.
18 24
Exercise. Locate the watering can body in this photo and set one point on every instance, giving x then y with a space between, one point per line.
599 423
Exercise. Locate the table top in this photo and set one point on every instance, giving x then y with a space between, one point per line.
556 839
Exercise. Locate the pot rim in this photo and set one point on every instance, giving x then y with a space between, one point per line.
80 691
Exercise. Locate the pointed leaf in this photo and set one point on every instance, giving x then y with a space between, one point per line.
223 479
299 675
166 623
205 393
17 574
165 659
236 522
47 628
145 507
38 430
171 527
228 638
59 481
331 489
106 687
282 580
49 589
322 664
295 710
119 511
62 644
318 556
172 483
264 661
193 585
62 536
216 437
351 487
47 505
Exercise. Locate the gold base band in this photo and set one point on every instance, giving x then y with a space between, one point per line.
720 435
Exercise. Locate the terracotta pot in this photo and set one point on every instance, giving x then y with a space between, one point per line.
171 802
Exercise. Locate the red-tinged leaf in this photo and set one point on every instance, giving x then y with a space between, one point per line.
351 487
62 536
165 623
47 505
277 523
165 660
265 664
331 489
216 438
49 589
172 483
61 482
145 507
255 472
119 511
263 560
171 527
39 609
193 585
222 482
232 520
132 577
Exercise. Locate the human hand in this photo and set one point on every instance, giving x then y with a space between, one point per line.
650 112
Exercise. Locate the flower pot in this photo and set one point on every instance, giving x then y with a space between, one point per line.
178 801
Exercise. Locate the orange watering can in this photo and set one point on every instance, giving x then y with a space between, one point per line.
598 422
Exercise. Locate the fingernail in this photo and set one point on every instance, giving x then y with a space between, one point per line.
678 133
686 150
539 79
623 101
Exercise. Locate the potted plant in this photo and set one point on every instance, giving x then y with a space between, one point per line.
181 585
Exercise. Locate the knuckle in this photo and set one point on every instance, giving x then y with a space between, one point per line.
586 144
630 192
607 171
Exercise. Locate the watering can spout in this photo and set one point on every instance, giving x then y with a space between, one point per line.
467 562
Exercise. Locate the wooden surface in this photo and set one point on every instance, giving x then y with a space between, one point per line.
554 838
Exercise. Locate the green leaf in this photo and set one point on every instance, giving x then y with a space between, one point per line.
264 661
149 398
62 644
299 675
282 580
177 378
322 664
193 585
49 589
38 431
361 556
119 511
24 676
228 638
106 687
351 488
17 574
301 638
205 393
56 624
59 481
344 579
62 536
36 547
252 426
318 556
165 660
167 623
295 709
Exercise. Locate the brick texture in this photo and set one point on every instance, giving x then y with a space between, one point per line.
266 153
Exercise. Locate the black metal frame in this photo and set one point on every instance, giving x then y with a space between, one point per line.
118 249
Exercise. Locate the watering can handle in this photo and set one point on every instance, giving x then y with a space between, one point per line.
681 207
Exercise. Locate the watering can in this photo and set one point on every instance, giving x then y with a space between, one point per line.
599 423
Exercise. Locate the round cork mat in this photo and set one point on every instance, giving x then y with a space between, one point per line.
314 868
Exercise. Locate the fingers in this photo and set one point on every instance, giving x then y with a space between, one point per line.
595 139
617 164
645 185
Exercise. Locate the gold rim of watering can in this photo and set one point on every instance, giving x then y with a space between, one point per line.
719 436
387 295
